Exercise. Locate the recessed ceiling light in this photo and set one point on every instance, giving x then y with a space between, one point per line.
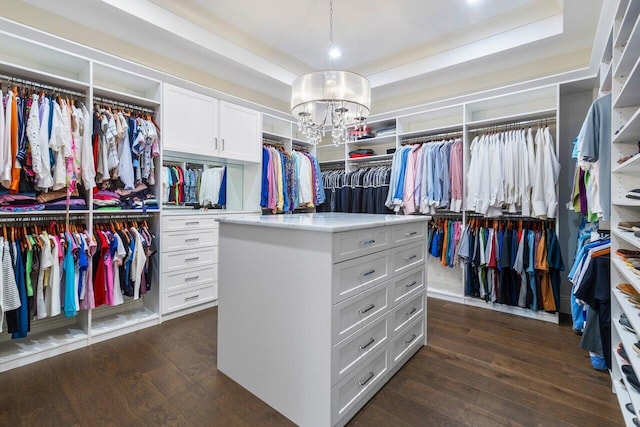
334 53
473 1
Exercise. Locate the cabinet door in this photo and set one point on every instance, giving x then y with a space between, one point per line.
240 133
190 121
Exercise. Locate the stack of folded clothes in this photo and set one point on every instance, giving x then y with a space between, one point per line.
57 200
141 197
361 153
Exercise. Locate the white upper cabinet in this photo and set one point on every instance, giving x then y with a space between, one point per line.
240 133
190 121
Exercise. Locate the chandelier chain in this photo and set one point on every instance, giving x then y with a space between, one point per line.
330 32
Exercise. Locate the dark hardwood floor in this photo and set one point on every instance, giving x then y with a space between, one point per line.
481 368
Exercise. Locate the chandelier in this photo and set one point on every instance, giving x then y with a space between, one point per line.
330 99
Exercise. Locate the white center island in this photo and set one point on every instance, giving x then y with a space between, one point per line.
318 311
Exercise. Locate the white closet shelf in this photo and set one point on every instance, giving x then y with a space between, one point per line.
387 139
276 136
627 336
457 127
126 211
301 142
371 158
605 78
623 399
523 312
627 23
38 346
630 132
629 276
630 52
629 94
330 162
116 95
106 325
324 147
626 202
628 237
630 166
42 77
535 115
73 213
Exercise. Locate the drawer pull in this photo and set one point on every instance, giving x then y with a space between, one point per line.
413 233
364 382
367 242
365 310
413 310
195 258
410 340
192 239
192 297
192 223
410 257
191 278
408 285
371 341
368 273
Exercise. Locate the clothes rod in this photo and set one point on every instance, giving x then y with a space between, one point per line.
39 85
124 217
112 103
514 125
508 217
42 219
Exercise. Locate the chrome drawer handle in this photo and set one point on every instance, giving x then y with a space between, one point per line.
409 258
365 310
191 278
192 297
363 383
408 285
192 223
368 273
192 259
413 310
410 340
193 239
371 341
367 242
413 233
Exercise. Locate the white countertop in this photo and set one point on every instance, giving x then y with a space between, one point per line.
329 222
191 211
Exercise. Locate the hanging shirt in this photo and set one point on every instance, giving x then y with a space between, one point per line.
9 293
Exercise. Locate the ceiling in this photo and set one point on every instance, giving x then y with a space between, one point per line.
412 51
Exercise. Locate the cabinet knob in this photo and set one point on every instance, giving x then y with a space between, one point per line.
410 340
371 341
365 310
215 143
364 382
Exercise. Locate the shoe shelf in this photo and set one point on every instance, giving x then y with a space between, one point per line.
632 315
628 96
625 392
630 166
626 272
625 202
628 237
633 394
630 131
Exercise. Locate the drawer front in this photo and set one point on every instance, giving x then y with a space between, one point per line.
175 261
185 279
347 394
407 257
407 312
354 313
188 222
346 355
184 240
407 233
408 284
189 297
354 276
407 342
353 244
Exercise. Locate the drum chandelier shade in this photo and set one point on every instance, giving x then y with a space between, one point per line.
331 99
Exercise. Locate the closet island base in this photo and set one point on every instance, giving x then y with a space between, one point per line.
318 311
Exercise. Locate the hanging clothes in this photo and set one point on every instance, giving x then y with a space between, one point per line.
427 177
361 191
290 180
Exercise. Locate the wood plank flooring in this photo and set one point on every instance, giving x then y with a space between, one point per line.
481 368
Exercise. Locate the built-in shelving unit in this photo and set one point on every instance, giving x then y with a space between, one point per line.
625 128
